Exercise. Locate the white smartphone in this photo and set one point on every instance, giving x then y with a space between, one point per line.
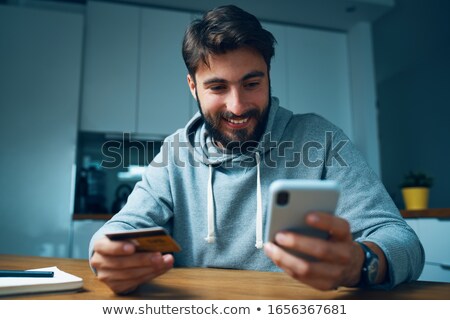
291 200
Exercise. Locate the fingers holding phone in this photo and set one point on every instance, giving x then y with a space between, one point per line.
323 264
334 248
322 275
290 203
306 239
335 227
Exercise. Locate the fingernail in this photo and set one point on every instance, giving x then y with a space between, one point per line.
128 248
167 260
155 258
313 218
268 247
280 238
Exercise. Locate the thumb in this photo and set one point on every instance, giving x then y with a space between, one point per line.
106 246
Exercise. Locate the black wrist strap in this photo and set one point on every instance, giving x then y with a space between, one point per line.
369 256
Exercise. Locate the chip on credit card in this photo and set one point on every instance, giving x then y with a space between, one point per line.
154 239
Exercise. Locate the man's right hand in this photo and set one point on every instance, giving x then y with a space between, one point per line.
123 269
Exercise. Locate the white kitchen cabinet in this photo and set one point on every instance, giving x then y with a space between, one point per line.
435 237
134 74
330 74
318 75
82 232
193 105
135 77
310 73
110 73
279 64
435 272
163 91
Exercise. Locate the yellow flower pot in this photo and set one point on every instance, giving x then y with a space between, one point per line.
416 198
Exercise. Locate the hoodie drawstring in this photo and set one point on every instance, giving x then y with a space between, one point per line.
210 238
259 223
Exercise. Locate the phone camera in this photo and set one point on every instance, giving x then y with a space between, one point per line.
282 198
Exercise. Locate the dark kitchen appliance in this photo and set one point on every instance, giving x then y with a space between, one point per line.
122 193
91 188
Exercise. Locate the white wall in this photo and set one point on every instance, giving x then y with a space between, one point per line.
40 63
363 96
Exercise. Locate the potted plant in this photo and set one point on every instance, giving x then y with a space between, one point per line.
415 189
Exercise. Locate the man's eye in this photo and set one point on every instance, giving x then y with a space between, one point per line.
251 84
217 88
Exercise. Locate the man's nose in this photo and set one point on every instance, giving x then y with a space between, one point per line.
235 102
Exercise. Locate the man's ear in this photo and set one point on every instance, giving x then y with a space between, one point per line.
192 87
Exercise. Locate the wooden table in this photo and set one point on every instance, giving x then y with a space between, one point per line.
215 284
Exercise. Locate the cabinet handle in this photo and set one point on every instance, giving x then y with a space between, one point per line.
445 266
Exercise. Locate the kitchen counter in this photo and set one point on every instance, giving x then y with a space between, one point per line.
92 216
439 213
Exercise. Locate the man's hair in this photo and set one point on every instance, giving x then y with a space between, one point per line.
224 29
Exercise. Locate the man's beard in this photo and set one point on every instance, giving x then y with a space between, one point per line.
242 140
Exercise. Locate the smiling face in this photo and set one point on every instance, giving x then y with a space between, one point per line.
233 96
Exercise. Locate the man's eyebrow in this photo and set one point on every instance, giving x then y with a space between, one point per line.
214 80
253 74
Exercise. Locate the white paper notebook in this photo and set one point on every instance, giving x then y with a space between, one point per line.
61 281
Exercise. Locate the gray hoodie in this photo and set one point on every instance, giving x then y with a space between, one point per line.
214 203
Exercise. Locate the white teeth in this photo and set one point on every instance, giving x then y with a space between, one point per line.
238 121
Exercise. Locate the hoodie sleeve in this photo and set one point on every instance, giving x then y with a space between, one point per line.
371 212
150 204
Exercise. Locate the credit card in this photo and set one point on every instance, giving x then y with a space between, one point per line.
154 239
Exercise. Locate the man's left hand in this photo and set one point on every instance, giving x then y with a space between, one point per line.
339 258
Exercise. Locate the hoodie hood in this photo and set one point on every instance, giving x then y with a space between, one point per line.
204 150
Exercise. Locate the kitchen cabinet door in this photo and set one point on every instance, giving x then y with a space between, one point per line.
435 272
164 97
278 67
318 74
193 105
109 101
435 238
83 230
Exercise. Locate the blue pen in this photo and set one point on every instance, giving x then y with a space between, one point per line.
26 274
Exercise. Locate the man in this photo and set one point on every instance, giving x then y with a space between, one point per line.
209 184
